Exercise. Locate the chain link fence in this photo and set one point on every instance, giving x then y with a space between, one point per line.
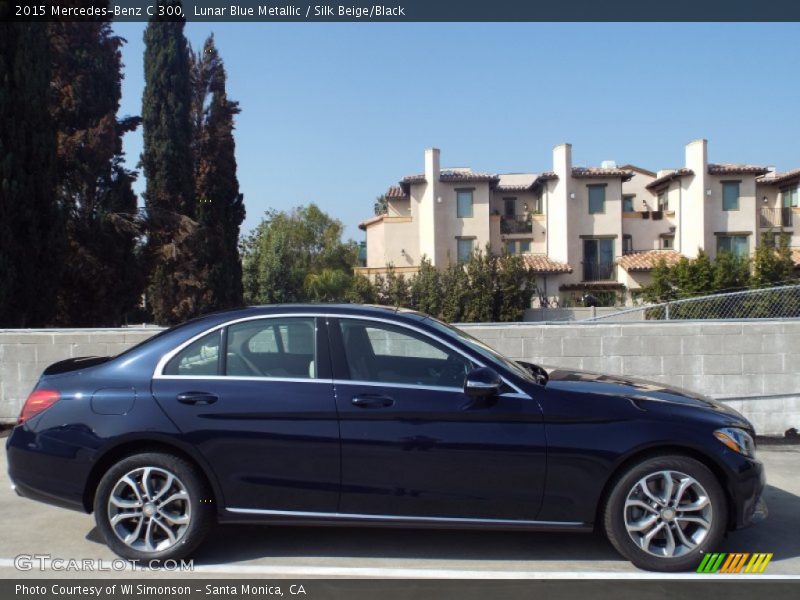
767 303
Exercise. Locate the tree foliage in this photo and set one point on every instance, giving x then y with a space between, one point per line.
102 279
176 281
220 206
771 265
286 248
32 238
381 206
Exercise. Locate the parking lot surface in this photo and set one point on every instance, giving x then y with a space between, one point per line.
31 528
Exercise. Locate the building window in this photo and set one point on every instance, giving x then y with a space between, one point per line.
463 203
465 246
597 199
627 244
791 197
737 245
627 203
524 246
598 259
511 247
663 201
667 242
509 207
730 195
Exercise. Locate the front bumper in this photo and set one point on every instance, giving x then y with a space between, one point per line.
746 489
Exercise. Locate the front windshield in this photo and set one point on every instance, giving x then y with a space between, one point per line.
482 349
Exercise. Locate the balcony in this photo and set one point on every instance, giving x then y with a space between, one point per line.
775 217
516 224
599 271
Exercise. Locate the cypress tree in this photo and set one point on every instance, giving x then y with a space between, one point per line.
31 228
220 209
176 281
101 276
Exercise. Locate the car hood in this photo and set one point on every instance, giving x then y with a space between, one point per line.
633 389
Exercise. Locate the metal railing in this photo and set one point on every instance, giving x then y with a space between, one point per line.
516 224
598 271
775 217
782 302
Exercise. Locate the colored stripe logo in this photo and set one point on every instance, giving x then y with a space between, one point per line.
734 562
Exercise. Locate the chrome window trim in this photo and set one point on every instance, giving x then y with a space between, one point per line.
158 372
410 519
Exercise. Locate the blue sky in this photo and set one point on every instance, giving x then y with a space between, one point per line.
335 113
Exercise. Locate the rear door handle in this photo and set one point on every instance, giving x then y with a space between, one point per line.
370 401
197 398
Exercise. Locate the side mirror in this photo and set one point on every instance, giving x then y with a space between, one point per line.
482 382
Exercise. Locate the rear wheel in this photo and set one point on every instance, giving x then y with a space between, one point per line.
153 506
665 512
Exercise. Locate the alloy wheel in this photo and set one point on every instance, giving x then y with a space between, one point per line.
149 509
668 514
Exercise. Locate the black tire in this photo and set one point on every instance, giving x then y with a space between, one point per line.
199 504
614 515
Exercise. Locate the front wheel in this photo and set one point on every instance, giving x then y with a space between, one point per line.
665 512
153 506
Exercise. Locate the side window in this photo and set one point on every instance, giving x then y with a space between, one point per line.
383 353
272 348
198 358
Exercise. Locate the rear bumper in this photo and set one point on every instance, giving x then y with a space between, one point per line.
48 474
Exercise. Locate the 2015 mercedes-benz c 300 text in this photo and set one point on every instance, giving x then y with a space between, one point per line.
303 414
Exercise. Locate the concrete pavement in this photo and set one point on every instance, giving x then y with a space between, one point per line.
235 551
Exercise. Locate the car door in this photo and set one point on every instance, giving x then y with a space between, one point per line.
262 412
414 444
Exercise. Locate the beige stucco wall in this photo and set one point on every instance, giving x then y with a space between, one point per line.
743 220
450 227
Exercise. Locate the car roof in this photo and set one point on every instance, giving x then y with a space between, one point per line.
343 309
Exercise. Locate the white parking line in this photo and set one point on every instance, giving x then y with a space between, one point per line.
411 573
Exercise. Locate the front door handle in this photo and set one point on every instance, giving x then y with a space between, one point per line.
372 401
197 398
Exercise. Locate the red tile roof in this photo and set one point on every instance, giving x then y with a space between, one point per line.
396 192
371 221
780 177
648 259
641 170
596 172
667 177
541 263
733 169
453 176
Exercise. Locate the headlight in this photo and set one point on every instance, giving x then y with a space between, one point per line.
737 440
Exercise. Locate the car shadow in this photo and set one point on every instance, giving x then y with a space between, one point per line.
239 543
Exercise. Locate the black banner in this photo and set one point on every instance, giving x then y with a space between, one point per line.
405 10
370 589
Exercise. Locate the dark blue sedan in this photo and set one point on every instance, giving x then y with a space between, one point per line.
359 415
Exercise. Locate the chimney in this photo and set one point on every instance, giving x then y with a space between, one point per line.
562 161
432 168
697 157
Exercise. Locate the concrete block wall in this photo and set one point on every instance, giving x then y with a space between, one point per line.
752 365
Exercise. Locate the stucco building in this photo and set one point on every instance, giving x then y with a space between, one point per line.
598 230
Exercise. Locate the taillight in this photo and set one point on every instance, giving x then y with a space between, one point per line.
38 401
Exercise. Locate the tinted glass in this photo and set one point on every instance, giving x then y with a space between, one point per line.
281 347
627 203
730 195
382 353
597 199
464 250
464 202
198 358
